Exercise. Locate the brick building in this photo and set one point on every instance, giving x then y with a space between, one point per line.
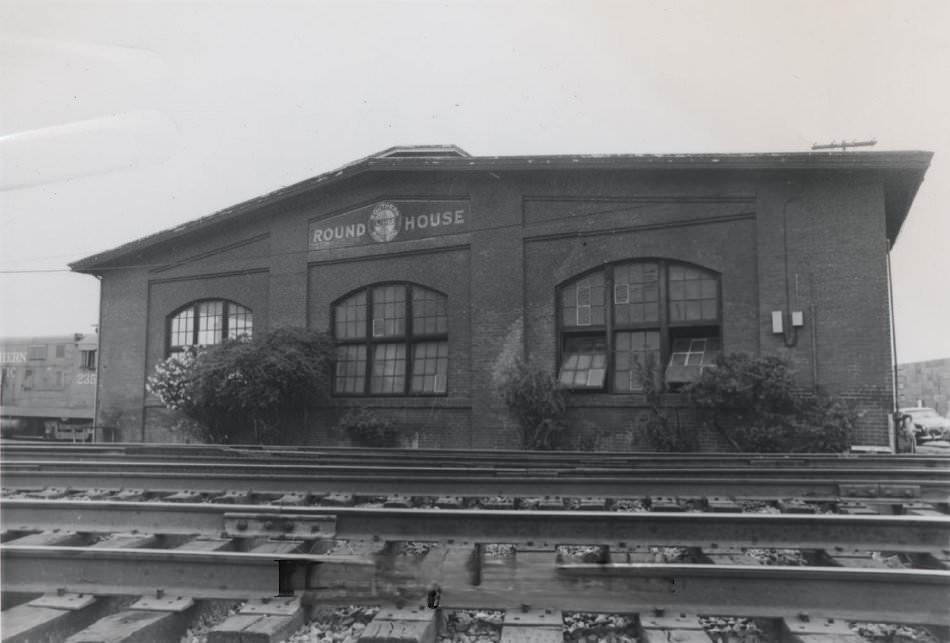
434 269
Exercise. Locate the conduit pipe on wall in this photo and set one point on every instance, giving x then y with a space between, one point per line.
788 327
895 418
814 342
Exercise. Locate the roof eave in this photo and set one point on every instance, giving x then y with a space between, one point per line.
909 162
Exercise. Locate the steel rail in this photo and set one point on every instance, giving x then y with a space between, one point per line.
832 533
459 457
236 575
893 595
831 469
177 447
766 485
157 448
905 596
176 466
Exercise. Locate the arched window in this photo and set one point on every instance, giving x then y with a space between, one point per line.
619 323
393 340
206 322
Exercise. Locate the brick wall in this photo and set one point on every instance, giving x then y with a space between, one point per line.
122 349
833 235
792 243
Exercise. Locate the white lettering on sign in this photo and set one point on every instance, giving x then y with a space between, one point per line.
388 221
435 219
86 378
338 233
13 358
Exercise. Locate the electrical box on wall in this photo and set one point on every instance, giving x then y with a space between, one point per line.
776 321
798 318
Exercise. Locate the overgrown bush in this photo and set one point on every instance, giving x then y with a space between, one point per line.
367 429
171 381
757 405
538 403
663 434
587 436
255 389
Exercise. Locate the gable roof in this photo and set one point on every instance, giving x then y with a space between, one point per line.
904 172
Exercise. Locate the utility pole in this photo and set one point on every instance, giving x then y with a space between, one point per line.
843 144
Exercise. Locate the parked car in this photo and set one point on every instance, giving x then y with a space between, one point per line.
928 424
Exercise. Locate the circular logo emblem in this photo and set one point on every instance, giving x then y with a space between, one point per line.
384 222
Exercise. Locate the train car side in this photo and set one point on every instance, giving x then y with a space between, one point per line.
49 387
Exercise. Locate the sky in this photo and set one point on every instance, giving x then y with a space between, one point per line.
122 118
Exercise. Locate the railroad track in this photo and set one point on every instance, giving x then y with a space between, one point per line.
20 450
356 554
824 479
466 472
605 540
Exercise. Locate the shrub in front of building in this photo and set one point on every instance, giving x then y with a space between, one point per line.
757 405
662 426
587 436
248 390
171 380
367 429
538 403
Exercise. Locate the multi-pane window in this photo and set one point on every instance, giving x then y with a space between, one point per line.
690 356
351 318
207 322
392 340
429 315
87 360
389 369
351 369
582 302
630 322
389 311
694 294
37 352
430 362
584 362
636 293
634 353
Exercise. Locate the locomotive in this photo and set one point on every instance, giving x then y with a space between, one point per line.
49 387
